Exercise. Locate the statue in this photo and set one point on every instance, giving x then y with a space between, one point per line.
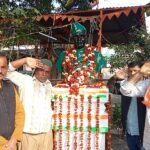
80 100
81 63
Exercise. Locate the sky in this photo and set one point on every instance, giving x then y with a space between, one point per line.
126 1
120 3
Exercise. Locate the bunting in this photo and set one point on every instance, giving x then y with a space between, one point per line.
119 13
127 12
73 16
134 10
46 17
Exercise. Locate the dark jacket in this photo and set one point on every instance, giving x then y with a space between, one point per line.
114 87
7 109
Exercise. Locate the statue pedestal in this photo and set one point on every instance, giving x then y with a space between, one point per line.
80 122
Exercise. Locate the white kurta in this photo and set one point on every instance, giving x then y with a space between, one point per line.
36 99
137 90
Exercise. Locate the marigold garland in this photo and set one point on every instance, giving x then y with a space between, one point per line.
68 122
55 121
97 122
60 122
76 72
81 121
89 121
75 121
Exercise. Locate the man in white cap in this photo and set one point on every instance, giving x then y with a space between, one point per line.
35 93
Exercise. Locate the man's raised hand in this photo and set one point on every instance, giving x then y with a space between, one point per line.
33 62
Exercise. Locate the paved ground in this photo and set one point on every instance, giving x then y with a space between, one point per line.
115 99
118 143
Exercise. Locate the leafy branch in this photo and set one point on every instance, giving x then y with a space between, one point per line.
137 48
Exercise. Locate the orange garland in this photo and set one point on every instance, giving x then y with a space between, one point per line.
76 72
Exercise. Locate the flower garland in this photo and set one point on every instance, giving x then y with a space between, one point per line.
68 122
81 120
55 121
75 121
60 122
76 72
89 121
97 121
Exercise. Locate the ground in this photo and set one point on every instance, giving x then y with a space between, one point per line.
118 142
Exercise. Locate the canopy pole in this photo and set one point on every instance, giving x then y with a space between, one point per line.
99 42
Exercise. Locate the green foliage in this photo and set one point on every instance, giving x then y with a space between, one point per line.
70 5
17 25
147 11
43 6
116 116
137 49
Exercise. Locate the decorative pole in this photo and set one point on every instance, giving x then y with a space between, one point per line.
100 19
99 42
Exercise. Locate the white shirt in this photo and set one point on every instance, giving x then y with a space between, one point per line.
36 98
137 90
134 90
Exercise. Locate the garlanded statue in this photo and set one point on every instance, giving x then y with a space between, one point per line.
80 64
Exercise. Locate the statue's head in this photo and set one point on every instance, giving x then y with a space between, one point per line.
79 34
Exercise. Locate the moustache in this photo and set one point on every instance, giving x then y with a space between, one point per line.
2 74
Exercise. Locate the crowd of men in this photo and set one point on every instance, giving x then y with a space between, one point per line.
25 101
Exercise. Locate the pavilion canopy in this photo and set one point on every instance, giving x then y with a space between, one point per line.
104 25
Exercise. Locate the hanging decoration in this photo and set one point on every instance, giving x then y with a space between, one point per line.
80 121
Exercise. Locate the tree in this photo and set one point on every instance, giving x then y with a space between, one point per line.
17 24
18 21
137 49
71 5
43 6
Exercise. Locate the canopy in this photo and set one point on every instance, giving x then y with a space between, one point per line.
104 25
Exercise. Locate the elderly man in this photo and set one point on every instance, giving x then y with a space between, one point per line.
35 94
132 87
11 110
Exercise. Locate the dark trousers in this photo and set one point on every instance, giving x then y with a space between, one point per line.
134 142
